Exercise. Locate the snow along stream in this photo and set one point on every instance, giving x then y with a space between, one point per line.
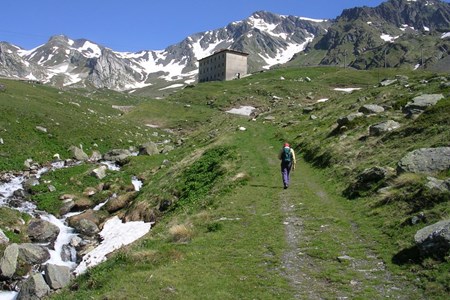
114 235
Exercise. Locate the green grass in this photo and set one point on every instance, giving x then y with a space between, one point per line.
232 233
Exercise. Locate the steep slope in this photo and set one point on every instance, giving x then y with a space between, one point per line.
396 33
269 39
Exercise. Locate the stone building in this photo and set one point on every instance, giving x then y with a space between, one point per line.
223 65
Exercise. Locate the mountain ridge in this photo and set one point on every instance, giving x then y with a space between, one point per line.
80 63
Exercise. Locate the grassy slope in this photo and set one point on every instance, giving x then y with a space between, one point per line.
255 242
70 117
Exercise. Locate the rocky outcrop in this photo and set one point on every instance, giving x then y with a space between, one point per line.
41 231
383 127
119 156
349 118
34 288
421 103
149 148
434 240
425 160
371 109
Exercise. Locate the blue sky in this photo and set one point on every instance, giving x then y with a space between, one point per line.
134 25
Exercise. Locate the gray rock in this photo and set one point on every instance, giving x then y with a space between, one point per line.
350 118
78 154
87 227
420 103
117 155
8 263
29 183
380 128
308 109
33 254
3 238
437 184
434 239
99 172
149 148
41 231
57 277
96 156
167 149
425 160
34 288
370 109
313 117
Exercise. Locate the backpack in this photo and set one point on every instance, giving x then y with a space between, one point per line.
286 155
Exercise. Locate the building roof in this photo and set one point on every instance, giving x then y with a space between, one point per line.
226 50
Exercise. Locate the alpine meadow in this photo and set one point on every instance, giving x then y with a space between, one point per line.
119 180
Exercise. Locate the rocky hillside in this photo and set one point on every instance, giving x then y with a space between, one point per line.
397 33
269 38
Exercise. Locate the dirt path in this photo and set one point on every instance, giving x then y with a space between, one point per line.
326 257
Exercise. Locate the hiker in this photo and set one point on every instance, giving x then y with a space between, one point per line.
287 157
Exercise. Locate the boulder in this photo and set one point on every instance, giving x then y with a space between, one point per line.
57 277
3 238
425 160
87 228
420 103
349 118
33 254
29 183
99 172
82 204
96 156
371 109
119 156
149 148
90 215
8 263
78 154
34 288
41 231
119 202
434 240
380 128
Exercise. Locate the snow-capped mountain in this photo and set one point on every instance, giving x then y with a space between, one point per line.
270 39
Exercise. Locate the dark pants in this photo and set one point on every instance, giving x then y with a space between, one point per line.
285 172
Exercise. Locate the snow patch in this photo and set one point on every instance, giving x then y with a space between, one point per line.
313 20
173 86
115 234
243 110
322 100
387 38
90 50
347 90
283 56
445 35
